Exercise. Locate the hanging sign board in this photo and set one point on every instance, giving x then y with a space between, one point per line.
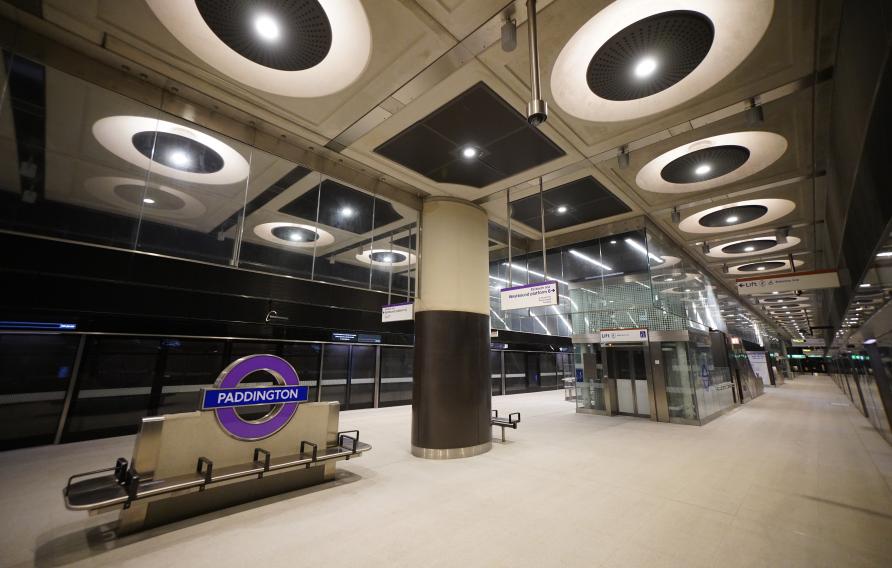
397 312
530 296
809 342
623 335
788 281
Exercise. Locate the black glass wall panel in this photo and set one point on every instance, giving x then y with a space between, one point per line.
396 376
361 386
515 372
335 371
114 390
34 375
495 371
189 366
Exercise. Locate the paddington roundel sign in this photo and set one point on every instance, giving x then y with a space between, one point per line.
227 396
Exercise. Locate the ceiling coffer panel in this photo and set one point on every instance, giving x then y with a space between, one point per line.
579 201
475 139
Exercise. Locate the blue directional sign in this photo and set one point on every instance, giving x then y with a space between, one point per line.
253 396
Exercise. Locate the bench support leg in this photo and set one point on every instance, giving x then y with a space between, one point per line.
503 434
132 518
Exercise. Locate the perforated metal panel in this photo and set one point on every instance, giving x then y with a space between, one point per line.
677 41
296 234
720 160
741 213
304 30
754 267
177 152
161 200
753 246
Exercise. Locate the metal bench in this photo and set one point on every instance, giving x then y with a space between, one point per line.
502 422
183 465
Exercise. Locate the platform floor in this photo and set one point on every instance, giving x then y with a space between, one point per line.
795 478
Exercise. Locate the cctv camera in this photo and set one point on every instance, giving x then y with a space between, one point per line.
537 112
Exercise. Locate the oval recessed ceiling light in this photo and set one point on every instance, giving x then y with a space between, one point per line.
731 157
764 245
469 152
765 266
171 150
637 58
132 196
386 257
750 213
296 48
293 235
562 209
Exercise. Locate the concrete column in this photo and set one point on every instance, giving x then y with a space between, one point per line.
451 395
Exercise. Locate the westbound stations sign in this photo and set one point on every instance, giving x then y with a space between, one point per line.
788 281
638 335
397 312
530 296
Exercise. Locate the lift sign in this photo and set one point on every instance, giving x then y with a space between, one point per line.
230 398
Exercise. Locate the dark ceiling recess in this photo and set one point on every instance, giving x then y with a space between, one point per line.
733 216
160 200
295 234
754 245
178 152
304 32
585 200
477 118
754 267
719 160
675 41
343 208
267 195
409 241
388 256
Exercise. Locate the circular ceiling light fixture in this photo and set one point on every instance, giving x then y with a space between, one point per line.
764 266
347 212
750 213
132 196
268 28
293 235
171 150
729 157
294 48
470 152
645 67
637 58
745 247
562 209
386 257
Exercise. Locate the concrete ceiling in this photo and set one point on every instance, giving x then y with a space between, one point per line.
427 52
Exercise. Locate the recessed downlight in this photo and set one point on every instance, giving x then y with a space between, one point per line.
267 27
562 209
148 201
645 67
702 169
469 152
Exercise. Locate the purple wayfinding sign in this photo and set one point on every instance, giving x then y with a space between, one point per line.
234 374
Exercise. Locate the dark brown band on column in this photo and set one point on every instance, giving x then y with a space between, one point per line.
451 392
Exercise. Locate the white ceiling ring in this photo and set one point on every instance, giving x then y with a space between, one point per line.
265 232
777 208
366 257
765 148
717 252
738 24
785 266
351 48
115 133
103 189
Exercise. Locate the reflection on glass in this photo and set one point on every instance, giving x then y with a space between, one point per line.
34 375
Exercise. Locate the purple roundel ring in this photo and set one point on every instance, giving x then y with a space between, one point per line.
234 374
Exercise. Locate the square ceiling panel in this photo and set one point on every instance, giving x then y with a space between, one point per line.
579 201
480 119
343 207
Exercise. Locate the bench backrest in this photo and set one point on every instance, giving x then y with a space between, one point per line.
170 445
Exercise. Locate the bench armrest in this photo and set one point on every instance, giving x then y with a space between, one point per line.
304 443
86 474
512 419
266 457
355 439
208 471
495 413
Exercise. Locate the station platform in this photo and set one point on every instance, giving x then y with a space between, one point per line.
795 478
